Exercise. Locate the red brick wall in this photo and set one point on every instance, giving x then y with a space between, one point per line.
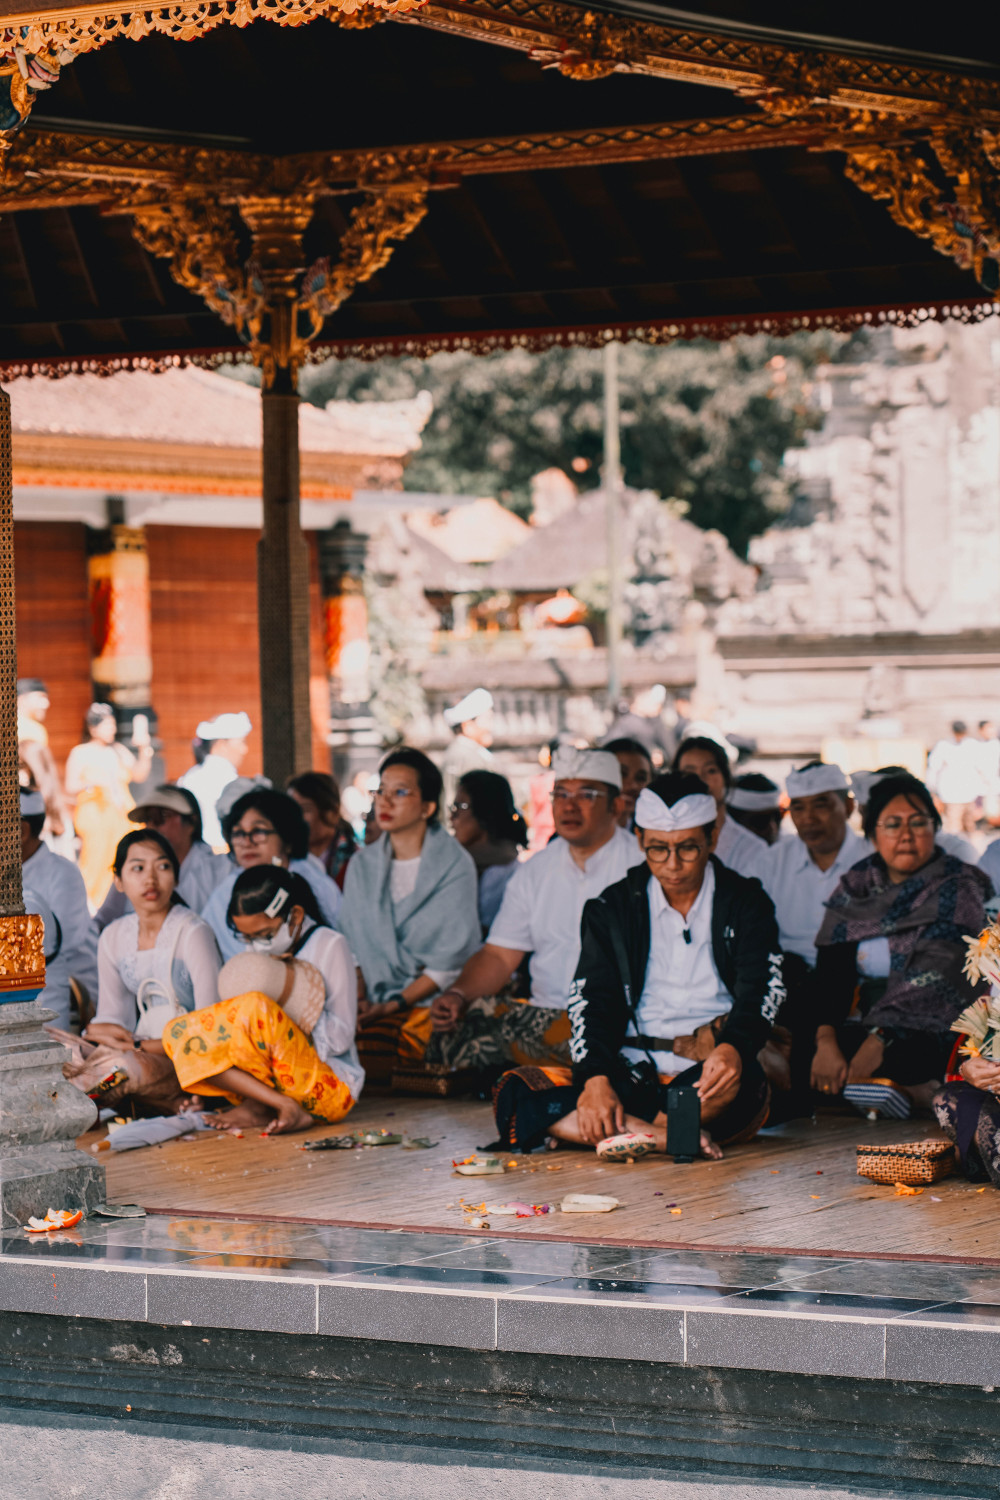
53 622
203 583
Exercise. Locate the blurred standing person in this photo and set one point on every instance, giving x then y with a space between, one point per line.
989 751
356 802
955 776
637 772
471 723
38 766
59 884
98 773
225 737
331 837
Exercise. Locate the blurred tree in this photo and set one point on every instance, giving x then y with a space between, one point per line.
702 422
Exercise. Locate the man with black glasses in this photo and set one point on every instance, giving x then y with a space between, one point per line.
678 983
540 918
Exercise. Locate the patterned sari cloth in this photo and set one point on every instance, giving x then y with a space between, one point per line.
252 1033
924 919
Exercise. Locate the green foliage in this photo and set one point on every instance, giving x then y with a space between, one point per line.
703 423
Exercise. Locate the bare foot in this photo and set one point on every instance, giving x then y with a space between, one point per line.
290 1117
709 1148
246 1116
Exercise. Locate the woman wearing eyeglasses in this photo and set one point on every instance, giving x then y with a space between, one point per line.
486 822
893 932
265 827
280 1046
409 913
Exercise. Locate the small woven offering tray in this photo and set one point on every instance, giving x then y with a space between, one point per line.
911 1162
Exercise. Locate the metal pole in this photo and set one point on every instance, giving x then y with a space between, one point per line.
612 496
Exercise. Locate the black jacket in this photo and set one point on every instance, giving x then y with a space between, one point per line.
744 945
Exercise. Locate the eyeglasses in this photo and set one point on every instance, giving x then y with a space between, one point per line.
586 794
399 793
685 854
251 835
460 807
894 826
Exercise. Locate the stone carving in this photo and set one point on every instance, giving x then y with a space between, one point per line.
897 525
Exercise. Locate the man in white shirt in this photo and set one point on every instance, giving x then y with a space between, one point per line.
955 776
540 916
226 737
54 886
989 755
678 982
735 846
801 875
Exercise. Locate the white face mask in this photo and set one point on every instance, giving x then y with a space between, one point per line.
278 943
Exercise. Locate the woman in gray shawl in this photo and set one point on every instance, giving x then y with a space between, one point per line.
409 913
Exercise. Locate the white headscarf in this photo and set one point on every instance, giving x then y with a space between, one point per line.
569 764
745 800
815 780
694 811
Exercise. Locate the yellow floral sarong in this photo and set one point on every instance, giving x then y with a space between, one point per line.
252 1033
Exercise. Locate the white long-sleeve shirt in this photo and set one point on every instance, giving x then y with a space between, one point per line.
334 1032
193 975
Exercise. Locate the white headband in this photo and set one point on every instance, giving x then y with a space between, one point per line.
32 804
587 765
745 800
814 780
651 812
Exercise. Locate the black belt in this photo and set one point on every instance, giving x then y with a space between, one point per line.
650 1043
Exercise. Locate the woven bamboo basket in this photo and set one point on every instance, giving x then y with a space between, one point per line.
912 1163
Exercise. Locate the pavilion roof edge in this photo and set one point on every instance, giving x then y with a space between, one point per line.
486 341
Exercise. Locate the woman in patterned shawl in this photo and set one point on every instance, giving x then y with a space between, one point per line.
891 947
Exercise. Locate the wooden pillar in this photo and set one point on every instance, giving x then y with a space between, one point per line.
283 591
40 1113
355 741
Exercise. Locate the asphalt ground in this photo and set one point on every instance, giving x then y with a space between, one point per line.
45 1456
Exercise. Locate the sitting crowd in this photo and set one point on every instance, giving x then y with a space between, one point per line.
668 937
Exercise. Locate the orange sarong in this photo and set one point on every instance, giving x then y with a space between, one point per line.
252 1033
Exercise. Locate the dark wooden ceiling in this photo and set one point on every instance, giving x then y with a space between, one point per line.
741 233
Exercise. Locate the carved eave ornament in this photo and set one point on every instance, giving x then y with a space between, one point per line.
921 139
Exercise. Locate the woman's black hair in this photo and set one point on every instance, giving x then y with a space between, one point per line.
428 776
890 787
280 810
96 714
491 803
145 836
257 887
627 746
717 751
319 787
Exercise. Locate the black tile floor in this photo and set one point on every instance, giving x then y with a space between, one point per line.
558 1269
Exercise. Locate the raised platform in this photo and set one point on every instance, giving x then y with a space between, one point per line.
793 1189
258 1296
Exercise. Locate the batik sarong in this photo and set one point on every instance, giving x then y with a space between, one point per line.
253 1033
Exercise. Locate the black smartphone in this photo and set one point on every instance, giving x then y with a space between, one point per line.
683 1124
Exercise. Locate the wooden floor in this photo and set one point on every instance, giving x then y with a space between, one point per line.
793 1189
